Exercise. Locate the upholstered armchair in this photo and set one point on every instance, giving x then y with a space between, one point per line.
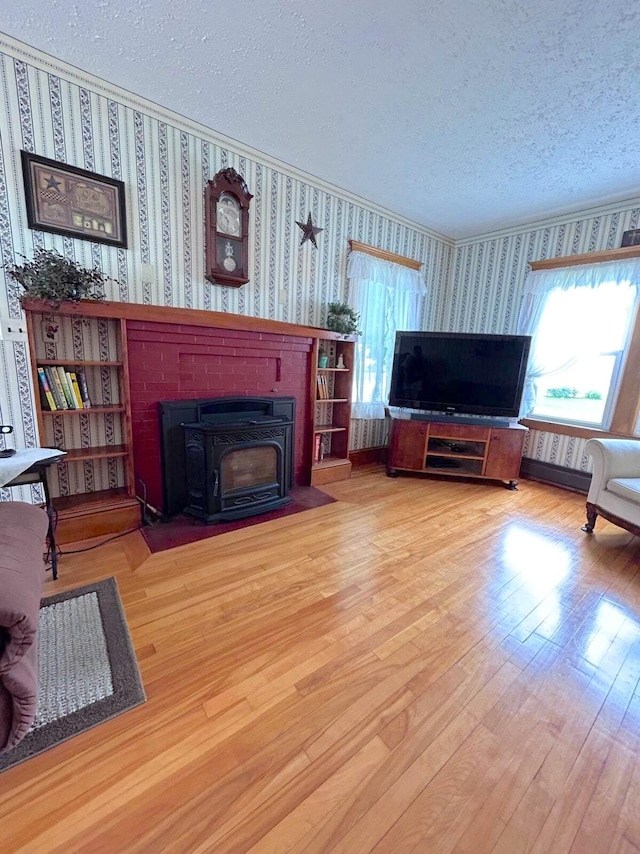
23 528
615 485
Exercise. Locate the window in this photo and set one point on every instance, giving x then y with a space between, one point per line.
580 319
388 297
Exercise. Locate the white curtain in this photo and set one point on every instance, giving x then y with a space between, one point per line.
579 298
388 297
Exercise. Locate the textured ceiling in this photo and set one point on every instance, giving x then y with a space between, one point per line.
463 115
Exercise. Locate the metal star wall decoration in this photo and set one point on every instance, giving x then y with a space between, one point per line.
309 231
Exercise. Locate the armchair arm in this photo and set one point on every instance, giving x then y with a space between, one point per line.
612 458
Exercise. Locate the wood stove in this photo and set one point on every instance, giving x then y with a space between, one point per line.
228 457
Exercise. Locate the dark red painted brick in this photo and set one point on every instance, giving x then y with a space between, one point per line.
177 361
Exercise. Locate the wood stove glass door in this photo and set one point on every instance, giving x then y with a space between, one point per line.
247 467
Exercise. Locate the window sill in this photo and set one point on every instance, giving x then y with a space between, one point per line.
565 429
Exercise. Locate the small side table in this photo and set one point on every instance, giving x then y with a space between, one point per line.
37 473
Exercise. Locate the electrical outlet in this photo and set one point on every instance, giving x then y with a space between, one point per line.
12 330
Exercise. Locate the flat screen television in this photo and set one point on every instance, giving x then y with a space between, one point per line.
457 372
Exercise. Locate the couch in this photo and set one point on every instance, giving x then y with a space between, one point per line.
614 493
23 529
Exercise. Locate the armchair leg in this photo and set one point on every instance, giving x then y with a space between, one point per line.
592 515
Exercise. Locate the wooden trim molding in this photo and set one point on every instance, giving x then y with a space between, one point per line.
356 246
627 408
621 254
574 430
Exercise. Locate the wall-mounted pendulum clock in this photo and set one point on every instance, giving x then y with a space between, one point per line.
227 200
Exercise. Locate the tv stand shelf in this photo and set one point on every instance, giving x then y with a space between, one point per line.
457 450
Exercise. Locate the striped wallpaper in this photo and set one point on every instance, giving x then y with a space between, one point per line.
488 273
164 160
54 110
487 281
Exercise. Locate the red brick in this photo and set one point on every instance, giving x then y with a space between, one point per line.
173 362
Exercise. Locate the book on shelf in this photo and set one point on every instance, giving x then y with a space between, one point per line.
46 390
323 388
76 389
56 387
66 387
316 447
84 389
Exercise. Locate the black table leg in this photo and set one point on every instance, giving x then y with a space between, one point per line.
51 533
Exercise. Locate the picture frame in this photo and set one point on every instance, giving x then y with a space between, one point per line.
64 199
631 238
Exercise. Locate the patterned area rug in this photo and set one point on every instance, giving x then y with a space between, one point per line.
185 529
87 669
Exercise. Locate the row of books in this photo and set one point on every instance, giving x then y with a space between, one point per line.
323 388
63 389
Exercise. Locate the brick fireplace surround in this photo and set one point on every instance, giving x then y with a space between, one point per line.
171 361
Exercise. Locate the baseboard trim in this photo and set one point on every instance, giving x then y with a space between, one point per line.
364 456
577 481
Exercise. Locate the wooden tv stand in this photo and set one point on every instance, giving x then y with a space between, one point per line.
457 450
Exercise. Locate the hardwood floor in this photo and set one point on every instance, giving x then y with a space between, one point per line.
426 665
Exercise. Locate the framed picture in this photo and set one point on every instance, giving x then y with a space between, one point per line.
631 238
66 200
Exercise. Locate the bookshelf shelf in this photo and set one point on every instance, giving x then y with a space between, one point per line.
330 463
103 498
96 453
93 487
327 428
92 410
80 362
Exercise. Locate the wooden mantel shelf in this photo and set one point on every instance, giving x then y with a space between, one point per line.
186 316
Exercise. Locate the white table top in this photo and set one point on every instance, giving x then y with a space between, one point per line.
11 467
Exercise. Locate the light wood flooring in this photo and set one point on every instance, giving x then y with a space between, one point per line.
424 666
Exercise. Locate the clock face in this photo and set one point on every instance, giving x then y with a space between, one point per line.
228 215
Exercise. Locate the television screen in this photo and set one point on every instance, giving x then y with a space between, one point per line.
459 372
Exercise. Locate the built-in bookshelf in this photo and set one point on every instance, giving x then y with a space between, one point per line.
332 385
80 376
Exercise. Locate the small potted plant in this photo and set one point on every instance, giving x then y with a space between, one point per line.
54 279
343 319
